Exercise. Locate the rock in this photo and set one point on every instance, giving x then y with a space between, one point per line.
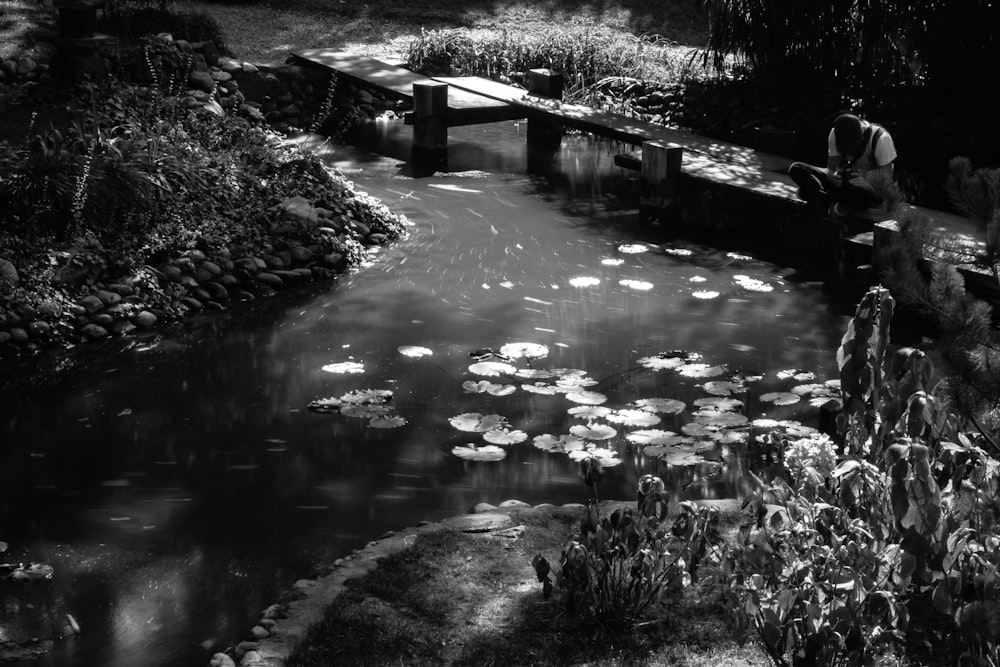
39 328
229 65
49 309
8 276
221 660
299 210
91 304
514 503
363 97
258 632
216 291
247 264
301 255
25 312
103 319
211 267
478 523
107 297
26 66
483 507
192 303
19 335
5 338
214 108
121 289
264 291
95 331
144 319
273 262
378 239
254 659
269 279
172 273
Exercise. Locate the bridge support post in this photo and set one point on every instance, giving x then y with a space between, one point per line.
661 170
430 123
548 84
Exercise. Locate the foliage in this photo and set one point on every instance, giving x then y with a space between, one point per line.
863 46
585 55
623 566
897 542
969 341
132 19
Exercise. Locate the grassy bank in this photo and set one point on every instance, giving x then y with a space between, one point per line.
387 27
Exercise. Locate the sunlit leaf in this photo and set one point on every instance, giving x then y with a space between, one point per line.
633 248
325 405
612 261
501 390
504 436
558 444
752 284
584 281
524 350
534 373
568 373
697 279
804 389
780 397
705 294
738 257
634 417
474 387
640 285
607 457
472 452
654 436
364 411
698 430
589 411
659 363
344 367
593 431
718 418
723 388
700 370
574 383
797 375
718 402
492 368
367 396
586 397
414 351
675 455
387 421
474 422
538 388
678 252
666 406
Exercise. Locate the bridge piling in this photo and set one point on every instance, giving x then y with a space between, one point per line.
430 123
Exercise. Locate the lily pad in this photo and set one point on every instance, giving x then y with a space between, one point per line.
584 281
586 397
612 261
351 367
607 457
639 285
558 444
504 436
474 422
797 375
534 374
666 406
492 368
700 370
367 396
633 248
654 436
325 405
472 452
414 351
365 411
593 431
780 397
659 363
634 417
706 295
589 411
719 403
723 387
719 418
752 284
524 350
675 455
538 388
387 421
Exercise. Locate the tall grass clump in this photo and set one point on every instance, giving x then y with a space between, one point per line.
585 55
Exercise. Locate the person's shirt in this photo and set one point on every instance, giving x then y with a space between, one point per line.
884 152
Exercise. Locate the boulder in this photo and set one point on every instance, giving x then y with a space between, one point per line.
91 304
144 319
221 660
94 331
9 278
201 81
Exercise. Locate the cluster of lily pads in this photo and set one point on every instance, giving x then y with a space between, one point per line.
717 419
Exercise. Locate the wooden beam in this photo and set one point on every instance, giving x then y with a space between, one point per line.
430 121
546 84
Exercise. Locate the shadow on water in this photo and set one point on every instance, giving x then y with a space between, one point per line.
178 482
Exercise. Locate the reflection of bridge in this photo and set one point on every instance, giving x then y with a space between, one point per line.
711 184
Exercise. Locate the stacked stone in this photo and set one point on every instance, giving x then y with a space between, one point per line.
18 71
193 281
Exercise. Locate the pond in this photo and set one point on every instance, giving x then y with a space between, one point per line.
179 481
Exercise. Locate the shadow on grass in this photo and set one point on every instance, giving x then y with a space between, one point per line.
468 600
23 23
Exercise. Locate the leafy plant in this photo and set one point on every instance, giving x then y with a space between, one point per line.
621 567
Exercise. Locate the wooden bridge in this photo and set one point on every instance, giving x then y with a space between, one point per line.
674 165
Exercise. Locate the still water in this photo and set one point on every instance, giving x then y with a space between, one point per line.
177 482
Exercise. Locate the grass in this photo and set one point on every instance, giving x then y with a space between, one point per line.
21 21
386 27
462 599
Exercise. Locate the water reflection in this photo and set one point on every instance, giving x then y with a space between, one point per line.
177 482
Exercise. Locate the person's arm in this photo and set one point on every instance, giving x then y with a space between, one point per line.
833 164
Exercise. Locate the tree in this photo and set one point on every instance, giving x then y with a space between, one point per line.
969 338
